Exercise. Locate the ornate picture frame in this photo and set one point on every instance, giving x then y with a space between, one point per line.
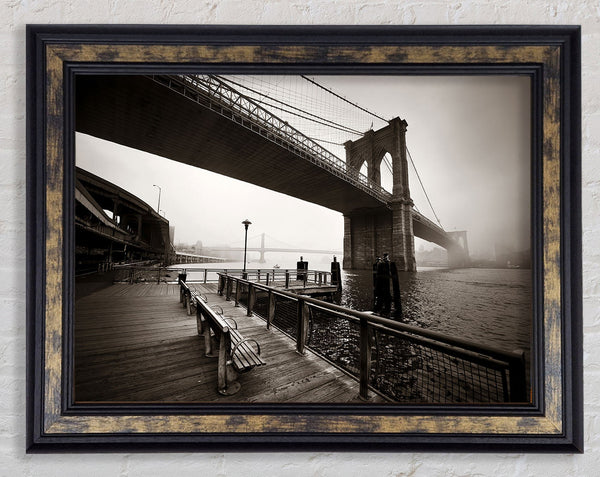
548 55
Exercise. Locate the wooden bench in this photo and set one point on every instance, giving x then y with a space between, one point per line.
188 295
236 354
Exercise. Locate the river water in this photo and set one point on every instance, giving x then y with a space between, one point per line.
492 307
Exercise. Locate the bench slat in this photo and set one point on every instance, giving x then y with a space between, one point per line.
245 350
245 354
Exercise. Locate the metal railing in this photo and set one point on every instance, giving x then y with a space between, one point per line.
405 363
275 277
268 276
220 97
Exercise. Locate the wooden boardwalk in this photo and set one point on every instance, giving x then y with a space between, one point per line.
136 343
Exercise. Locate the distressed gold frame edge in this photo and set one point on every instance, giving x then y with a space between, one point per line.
55 423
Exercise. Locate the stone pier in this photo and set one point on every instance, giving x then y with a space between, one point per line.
369 233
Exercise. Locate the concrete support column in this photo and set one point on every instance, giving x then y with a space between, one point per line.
116 210
347 263
138 234
403 243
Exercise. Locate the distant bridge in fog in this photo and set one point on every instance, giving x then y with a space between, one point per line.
264 249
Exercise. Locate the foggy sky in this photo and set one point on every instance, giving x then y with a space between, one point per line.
469 138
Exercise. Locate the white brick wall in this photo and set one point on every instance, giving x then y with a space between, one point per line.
15 14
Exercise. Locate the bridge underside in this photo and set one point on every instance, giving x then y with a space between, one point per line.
137 112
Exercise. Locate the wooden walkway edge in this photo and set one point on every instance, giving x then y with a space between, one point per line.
136 343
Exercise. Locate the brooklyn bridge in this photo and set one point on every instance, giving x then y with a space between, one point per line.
220 125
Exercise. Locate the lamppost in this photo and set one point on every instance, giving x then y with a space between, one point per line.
246 223
159 192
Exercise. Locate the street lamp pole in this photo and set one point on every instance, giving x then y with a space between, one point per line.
159 192
246 223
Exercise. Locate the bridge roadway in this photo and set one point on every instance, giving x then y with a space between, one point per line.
137 112
136 343
179 123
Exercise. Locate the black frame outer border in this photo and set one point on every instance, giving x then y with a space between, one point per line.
568 37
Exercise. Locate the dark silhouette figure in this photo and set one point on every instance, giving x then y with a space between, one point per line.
336 275
386 286
301 269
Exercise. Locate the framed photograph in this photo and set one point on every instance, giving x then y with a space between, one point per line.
292 238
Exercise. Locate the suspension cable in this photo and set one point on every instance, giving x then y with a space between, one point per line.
319 119
343 99
386 161
316 139
423 187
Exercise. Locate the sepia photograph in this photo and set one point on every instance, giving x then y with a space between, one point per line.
303 239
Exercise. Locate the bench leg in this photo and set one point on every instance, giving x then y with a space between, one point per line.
209 344
227 383
199 324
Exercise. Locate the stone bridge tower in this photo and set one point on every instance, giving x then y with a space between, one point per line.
458 254
370 233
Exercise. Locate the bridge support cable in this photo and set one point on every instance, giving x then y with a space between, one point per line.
291 109
423 187
344 99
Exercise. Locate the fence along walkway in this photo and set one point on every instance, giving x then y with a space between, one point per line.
406 363
132 273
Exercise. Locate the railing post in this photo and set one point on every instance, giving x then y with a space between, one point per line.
237 293
517 379
205 274
287 279
325 278
320 278
228 287
258 275
365 359
251 299
189 304
221 285
302 334
268 278
270 309
315 281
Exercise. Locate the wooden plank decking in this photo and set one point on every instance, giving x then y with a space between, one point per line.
136 343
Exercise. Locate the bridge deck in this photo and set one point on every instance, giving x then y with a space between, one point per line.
137 343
